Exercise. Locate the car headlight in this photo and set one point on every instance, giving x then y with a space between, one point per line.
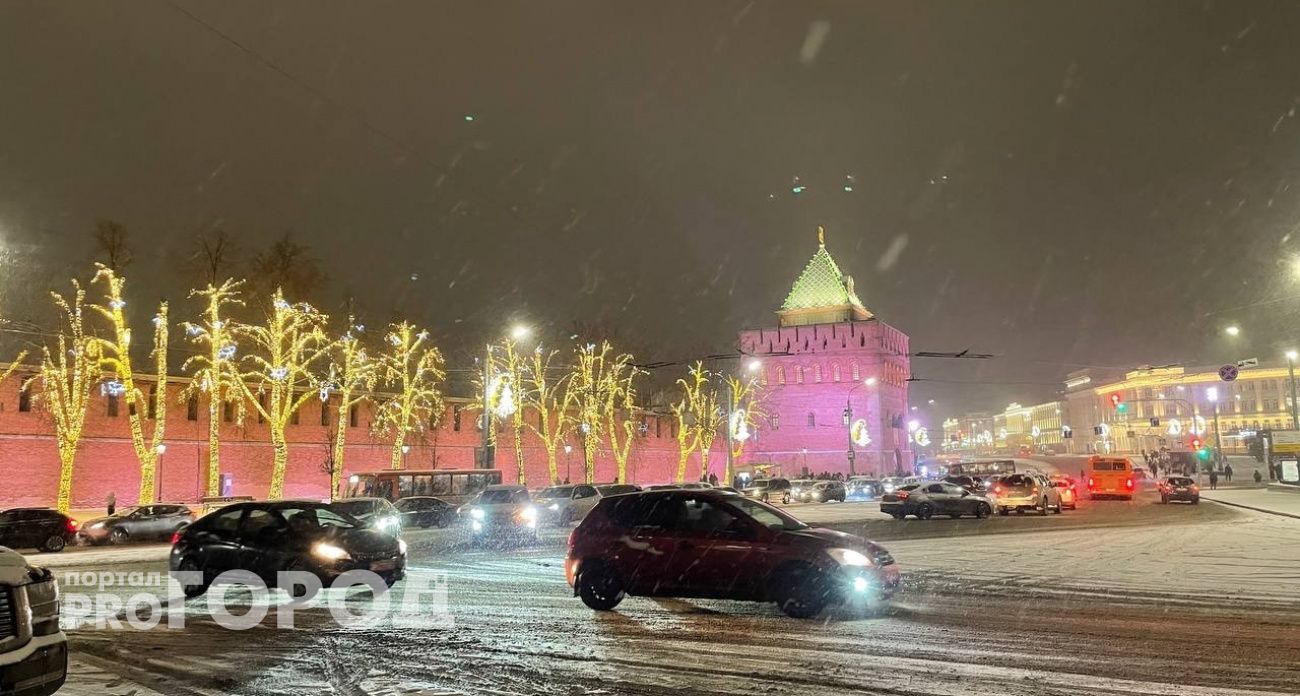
401 547
476 513
529 514
389 523
554 506
849 557
329 551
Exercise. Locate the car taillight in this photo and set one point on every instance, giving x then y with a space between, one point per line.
176 537
1091 483
997 490
573 535
1196 488
72 525
1128 483
902 495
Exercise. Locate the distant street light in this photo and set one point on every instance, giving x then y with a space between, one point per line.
1291 356
1232 330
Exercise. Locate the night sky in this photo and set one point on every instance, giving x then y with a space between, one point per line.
1058 184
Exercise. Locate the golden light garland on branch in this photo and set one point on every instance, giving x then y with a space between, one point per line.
286 353
66 376
115 358
697 417
620 414
353 374
216 374
587 392
747 412
412 368
544 394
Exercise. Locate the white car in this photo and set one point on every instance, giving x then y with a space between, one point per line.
564 505
33 651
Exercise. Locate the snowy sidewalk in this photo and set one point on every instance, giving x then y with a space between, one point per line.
1272 501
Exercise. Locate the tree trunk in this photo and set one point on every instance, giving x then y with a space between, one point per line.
552 465
340 442
589 461
148 472
65 481
682 456
281 451
397 451
519 450
214 444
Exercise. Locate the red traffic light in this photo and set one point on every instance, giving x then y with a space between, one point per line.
1116 399
1196 443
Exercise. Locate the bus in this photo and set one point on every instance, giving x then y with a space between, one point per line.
981 468
452 485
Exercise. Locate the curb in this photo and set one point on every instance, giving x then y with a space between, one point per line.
1256 509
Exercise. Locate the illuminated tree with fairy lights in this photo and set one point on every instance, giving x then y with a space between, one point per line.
216 373
352 375
411 369
115 358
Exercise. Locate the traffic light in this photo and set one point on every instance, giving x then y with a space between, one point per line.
1117 402
1203 453
1196 443
1155 422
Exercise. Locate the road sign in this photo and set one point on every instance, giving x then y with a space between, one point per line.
1248 362
1228 373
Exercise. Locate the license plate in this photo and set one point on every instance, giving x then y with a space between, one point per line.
1180 490
381 566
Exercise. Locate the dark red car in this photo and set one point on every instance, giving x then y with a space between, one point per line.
709 544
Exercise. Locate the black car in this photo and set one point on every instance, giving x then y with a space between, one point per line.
425 511
927 500
36 528
1181 488
137 523
375 513
290 535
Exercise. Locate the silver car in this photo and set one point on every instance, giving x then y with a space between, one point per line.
1030 492
136 524
564 505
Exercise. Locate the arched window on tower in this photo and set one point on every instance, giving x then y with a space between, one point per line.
857 374
817 373
812 419
798 374
780 374
835 372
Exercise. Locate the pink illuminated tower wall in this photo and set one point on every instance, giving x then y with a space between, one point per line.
829 352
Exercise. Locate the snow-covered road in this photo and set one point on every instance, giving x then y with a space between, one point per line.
1125 599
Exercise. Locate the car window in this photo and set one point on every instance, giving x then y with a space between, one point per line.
256 521
583 492
909 487
935 488
705 518
306 518
1102 466
556 492
951 489
411 504
503 496
766 515
225 521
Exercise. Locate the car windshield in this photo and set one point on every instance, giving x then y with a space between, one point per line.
766 515
359 509
503 496
1181 481
317 516
556 492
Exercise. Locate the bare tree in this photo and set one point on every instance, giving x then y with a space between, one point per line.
110 243
214 254
288 265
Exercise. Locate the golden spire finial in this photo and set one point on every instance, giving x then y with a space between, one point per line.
821 236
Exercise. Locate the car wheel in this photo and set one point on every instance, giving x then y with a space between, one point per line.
599 586
897 515
189 565
1060 507
1042 508
801 592
1196 501
54 544
925 511
119 536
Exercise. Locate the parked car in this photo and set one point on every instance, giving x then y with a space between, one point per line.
136 524
863 487
563 505
664 487
43 529
1026 492
33 651
1179 488
695 485
1067 489
425 511
826 491
375 513
890 483
266 537
939 498
767 490
715 545
502 513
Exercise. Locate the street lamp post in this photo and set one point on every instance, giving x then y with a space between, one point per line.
567 469
157 472
848 421
1291 356
727 414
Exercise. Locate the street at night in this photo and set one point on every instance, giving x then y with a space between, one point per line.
1096 601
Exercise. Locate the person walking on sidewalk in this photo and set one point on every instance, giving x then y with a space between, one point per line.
1258 479
111 503
1227 473
1214 479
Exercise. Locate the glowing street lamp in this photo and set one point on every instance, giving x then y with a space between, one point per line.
1232 330
849 424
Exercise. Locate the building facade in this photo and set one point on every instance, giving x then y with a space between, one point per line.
835 381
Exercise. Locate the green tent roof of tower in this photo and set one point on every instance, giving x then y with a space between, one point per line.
821 284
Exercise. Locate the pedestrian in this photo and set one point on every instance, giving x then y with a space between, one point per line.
1227 473
1258 478
713 479
111 503
1214 479
566 480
